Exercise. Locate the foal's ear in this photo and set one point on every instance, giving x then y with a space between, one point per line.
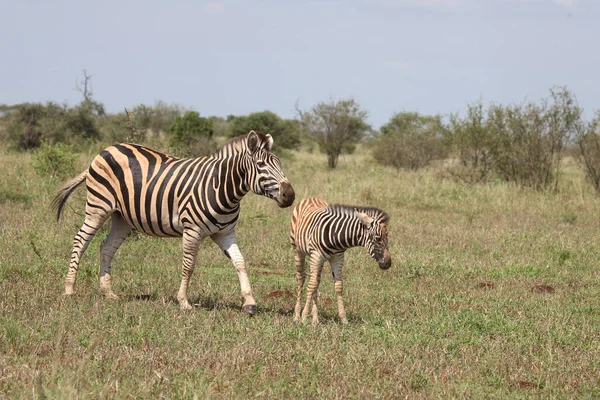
252 141
364 218
269 142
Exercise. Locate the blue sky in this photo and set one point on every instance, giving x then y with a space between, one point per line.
236 57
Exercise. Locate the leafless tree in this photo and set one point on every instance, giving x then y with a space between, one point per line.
87 90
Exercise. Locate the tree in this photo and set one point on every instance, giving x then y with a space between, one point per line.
335 126
89 105
410 140
285 132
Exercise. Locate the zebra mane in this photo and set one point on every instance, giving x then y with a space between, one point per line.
239 143
378 215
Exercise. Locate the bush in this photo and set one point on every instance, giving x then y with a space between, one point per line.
285 132
162 116
199 147
527 142
588 141
191 135
124 128
30 124
23 126
54 160
470 141
523 144
410 141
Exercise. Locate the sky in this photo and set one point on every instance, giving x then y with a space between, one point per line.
223 57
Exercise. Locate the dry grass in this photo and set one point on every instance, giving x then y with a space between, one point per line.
493 292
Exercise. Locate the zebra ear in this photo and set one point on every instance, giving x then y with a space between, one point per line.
269 142
364 218
252 141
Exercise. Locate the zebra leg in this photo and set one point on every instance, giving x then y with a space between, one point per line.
119 230
312 294
228 243
300 257
94 218
337 263
191 242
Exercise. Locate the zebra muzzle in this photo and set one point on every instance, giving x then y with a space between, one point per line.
387 261
286 195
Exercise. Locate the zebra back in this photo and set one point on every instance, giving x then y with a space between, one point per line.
159 194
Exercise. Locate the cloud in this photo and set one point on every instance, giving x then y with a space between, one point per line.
213 6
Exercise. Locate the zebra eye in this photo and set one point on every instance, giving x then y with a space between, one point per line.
260 164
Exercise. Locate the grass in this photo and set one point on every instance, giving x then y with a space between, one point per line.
494 292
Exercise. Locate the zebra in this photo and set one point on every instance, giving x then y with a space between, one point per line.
325 232
165 196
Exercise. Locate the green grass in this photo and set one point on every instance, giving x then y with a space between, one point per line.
494 292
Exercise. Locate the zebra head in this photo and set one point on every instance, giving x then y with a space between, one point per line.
268 178
376 240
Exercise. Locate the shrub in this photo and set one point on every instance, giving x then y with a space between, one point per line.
23 128
191 135
54 160
523 144
470 141
199 147
162 116
31 124
527 142
285 132
410 141
588 141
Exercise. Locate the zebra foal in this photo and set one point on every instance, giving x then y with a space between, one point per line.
325 232
165 196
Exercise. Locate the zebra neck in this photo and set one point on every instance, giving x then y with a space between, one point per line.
360 239
230 181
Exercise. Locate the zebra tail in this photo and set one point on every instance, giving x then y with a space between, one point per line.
64 192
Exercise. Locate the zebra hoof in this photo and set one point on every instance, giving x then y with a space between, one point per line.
251 310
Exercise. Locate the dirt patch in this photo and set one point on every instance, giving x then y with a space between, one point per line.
486 285
141 297
326 301
268 273
384 372
526 385
277 294
543 289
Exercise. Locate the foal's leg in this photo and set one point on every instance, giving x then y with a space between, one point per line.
337 263
316 266
299 257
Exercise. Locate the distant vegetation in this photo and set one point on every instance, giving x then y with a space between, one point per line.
523 144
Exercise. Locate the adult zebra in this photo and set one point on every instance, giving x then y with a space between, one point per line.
325 232
167 196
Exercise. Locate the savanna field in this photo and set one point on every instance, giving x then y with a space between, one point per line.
494 291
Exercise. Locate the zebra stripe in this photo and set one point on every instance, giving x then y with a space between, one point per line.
325 232
166 196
